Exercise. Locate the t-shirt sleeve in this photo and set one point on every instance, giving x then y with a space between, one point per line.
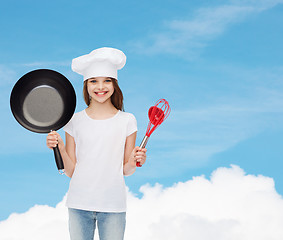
68 128
132 125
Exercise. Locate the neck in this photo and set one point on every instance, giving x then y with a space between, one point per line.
101 108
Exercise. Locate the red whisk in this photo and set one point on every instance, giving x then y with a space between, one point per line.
156 114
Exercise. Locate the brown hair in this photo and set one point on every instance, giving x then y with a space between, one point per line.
116 98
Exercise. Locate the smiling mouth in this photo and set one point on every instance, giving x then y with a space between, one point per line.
101 93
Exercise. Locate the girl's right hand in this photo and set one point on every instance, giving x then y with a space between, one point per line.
53 138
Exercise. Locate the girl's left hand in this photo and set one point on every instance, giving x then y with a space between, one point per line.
138 155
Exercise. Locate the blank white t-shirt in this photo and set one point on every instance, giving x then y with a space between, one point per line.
98 183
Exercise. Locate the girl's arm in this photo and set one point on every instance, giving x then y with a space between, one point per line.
68 152
132 155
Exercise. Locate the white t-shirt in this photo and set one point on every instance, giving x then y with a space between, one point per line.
98 183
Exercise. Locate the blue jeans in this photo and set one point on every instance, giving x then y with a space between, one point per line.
82 223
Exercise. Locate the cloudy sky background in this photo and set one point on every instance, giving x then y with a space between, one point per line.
229 205
218 63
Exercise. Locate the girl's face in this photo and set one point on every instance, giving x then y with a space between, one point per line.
100 89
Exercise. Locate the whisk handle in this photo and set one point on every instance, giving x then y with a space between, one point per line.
143 144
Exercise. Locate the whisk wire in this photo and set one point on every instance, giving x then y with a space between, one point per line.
157 114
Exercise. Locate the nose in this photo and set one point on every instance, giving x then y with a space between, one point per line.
100 85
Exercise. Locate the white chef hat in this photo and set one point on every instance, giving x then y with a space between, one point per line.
101 62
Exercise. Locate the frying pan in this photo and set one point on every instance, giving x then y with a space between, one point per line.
43 100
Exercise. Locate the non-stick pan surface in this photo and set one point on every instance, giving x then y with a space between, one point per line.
43 100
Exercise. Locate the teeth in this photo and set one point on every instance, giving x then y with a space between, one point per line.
101 93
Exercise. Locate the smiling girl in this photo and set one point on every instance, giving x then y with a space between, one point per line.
99 150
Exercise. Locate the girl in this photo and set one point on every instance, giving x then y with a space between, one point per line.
99 150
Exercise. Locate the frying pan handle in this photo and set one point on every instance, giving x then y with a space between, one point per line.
58 160
143 144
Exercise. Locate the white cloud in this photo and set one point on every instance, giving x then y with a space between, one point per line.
40 222
230 205
186 37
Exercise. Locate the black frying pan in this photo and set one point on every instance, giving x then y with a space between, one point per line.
43 100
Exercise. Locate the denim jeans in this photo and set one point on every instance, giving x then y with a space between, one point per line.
82 224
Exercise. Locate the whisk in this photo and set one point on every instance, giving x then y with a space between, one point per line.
156 114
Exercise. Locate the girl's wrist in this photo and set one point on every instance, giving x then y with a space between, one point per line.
62 148
129 168
131 163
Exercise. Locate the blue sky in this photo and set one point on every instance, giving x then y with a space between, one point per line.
218 63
